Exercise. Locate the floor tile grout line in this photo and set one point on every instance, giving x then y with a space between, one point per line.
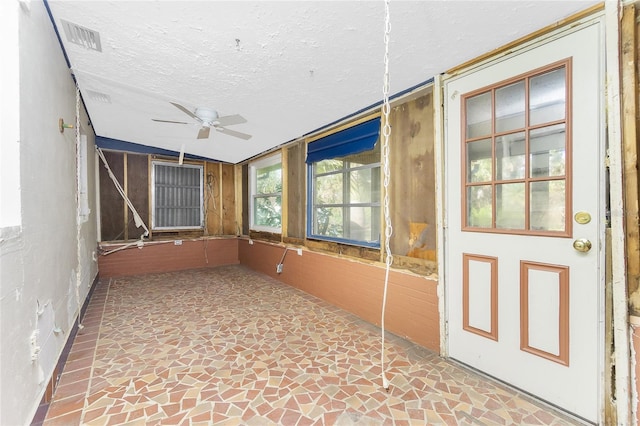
427 375
95 352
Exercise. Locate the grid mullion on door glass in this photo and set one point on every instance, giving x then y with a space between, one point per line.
527 149
515 187
493 157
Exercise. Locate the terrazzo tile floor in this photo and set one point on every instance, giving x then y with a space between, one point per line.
231 346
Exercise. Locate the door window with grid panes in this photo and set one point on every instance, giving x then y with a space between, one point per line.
517 154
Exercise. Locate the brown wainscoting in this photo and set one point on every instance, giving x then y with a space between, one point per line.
165 256
412 301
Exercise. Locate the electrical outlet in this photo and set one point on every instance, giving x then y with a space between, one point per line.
250 242
299 251
177 242
279 268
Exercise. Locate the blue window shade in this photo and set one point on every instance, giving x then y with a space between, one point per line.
353 140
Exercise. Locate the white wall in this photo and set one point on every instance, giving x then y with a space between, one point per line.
51 252
9 117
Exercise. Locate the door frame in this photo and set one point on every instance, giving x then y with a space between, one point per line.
609 135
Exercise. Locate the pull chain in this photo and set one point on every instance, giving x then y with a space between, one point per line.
386 133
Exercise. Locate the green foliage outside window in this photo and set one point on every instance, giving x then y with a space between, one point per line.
268 197
346 197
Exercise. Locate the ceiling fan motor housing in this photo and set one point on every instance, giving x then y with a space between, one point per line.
207 115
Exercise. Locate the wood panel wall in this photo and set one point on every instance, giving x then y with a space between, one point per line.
213 199
137 191
412 302
296 189
132 171
412 189
112 220
229 223
412 192
630 120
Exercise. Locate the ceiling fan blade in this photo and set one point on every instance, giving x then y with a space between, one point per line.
185 110
168 121
229 120
204 132
233 133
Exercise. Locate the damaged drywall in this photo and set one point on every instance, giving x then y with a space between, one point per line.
41 254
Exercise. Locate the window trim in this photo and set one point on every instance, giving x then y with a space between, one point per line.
311 205
153 196
253 168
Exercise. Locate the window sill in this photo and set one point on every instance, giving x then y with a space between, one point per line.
176 233
365 253
265 236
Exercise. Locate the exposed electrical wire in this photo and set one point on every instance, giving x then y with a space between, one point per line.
136 244
286 249
386 133
209 195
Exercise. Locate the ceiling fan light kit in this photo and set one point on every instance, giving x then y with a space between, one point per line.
207 115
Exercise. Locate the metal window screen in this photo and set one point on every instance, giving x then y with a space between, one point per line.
177 196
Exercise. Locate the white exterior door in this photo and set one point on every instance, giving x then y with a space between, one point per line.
524 185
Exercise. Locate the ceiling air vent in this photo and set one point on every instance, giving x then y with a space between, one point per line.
81 35
100 97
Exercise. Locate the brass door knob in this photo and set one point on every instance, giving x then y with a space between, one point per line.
582 244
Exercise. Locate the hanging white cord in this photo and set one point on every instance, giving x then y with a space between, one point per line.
386 133
136 217
78 206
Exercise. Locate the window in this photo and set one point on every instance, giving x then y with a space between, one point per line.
266 194
517 155
83 180
176 196
344 189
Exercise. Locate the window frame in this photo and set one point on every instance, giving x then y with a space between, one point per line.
154 227
345 171
253 170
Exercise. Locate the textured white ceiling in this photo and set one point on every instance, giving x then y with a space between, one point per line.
288 67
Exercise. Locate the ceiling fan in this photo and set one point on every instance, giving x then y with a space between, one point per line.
208 118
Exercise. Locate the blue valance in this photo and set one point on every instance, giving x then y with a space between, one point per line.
124 146
359 138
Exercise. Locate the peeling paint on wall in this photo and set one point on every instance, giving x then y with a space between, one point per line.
72 297
45 340
634 302
421 242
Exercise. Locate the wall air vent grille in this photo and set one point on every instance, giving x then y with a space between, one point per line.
100 97
83 36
